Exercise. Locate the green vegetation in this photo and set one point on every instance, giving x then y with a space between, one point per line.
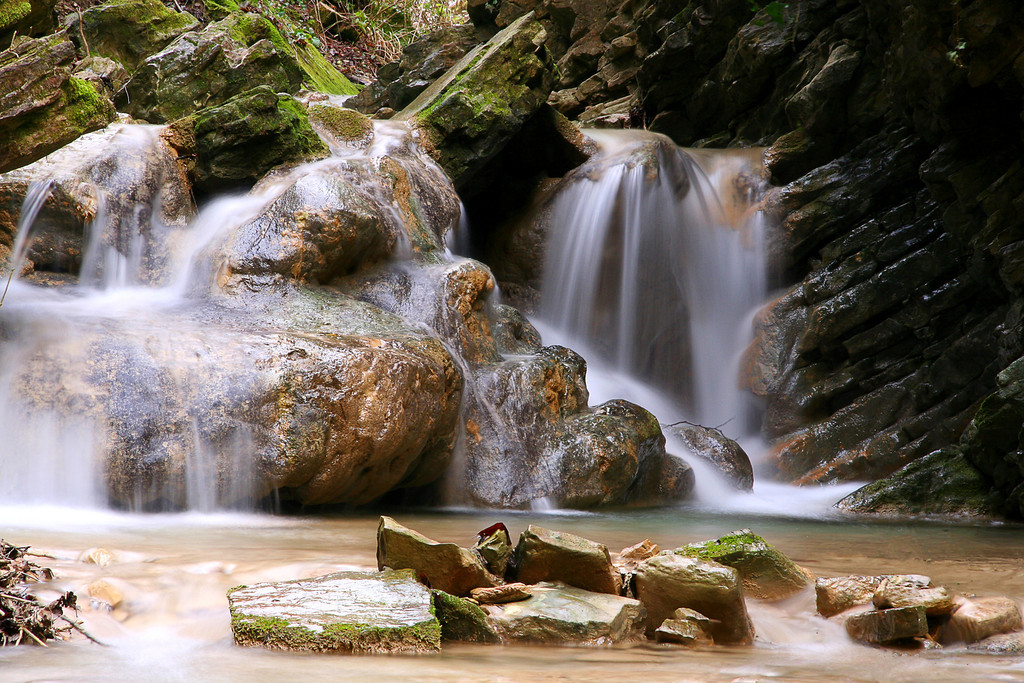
13 11
774 9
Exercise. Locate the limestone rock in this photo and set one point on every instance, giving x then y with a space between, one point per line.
461 620
356 612
561 614
669 581
839 594
545 555
898 591
238 141
886 626
128 31
977 619
766 573
726 455
207 67
472 111
445 566
686 627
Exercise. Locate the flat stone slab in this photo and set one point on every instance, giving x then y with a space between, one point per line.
557 613
357 612
886 626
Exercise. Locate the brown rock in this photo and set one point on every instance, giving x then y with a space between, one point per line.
634 554
980 618
887 626
686 627
545 555
499 595
906 591
843 592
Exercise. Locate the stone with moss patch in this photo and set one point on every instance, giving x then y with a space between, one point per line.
766 573
462 620
340 125
321 74
127 30
357 612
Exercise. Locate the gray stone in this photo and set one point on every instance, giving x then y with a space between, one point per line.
560 614
357 612
886 626
127 30
1004 644
726 455
545 555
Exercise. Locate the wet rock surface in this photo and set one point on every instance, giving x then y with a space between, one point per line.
726 455
766 573
888 626
545 555
981 619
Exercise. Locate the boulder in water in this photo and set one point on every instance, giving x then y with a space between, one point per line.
128 31
766 573
354 612
546 555
495 546
839 594
727 456
462 620
976 619
686 627
668 581
904 591
560 614
445 566
1003 644
882 627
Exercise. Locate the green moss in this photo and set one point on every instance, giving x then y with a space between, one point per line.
85 105
276 633
321 74
344 124
461 620
218 9
249 29
13 11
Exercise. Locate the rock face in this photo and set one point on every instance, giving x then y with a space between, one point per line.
557 613
471 112
446 566
669 581
766 573
725 454
207 67
354 612
545 555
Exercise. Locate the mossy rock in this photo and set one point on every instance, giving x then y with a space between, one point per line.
24 18
357 612
345 126
462 620
128 31
766 573
240 140
321 75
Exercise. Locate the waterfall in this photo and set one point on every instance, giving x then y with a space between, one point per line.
655 261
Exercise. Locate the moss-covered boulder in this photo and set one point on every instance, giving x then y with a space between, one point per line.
341 126
766 573
24 18
462 620
41 107
469 114
546 555
354 612
207 67
128 31
238 141
320 74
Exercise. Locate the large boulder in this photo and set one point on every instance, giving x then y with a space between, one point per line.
727 456
445 566
545 555
237 142
41 107
470 113
561 614
127 31
353 612
207 67
669 581
882 627
902 591
766 573
980 618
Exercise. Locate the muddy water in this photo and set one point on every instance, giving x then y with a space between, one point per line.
173 571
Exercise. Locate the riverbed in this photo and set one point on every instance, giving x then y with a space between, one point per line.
173 572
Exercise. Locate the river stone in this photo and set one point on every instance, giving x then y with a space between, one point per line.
1003 644
209 66
886 626
545 555
495 548
686 627
978 618
470 113
766 573
358 612
127 30
561 614
238 141
898 591
445 566
499 595
727 456
839 594
462 620
635 554
669 581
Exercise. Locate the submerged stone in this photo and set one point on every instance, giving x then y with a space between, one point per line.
356 612
545 555
766 573
560 614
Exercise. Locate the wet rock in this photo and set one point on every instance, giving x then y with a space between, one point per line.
977 619
126 175
561 614
128 31
207 67
669 581
686 627
499 595
726 455
105 592
356 612
41 106
462 620
887 626
445 566
98 556
766 573
106 75
513 333
495 546
635 554
545 555
471 112
341 127
839 594
238 141
1004 644
900 591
